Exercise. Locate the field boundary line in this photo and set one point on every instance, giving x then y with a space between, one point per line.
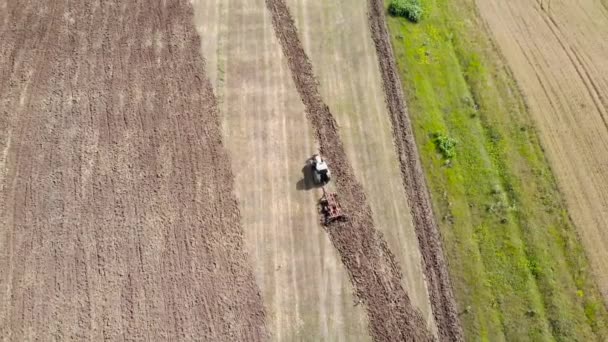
429 237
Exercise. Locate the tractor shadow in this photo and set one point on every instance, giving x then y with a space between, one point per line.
307 182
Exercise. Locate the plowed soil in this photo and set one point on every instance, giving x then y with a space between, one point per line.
118 219
557 50
374 272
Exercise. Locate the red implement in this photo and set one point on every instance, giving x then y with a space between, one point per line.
330 208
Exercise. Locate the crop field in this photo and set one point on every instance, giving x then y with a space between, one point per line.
511 237
116 220
251 68
154 182
153 176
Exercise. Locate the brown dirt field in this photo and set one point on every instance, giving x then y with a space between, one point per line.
306 291
372 267
118 214
336 36
558 50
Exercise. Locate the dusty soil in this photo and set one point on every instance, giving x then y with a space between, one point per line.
374 272
336 37
557 52
118 214
429 238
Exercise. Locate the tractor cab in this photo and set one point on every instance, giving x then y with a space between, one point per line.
320 170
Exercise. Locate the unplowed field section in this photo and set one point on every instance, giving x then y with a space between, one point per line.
117 214
558 52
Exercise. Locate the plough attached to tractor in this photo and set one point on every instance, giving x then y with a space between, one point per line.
330 208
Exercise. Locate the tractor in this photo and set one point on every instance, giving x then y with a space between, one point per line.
328 204
320 171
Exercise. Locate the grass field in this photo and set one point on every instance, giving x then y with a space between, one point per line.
556 51
517 266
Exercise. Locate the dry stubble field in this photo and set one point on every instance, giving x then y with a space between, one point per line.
265 120
305 288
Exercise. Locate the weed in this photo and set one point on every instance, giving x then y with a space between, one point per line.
409 9
445 145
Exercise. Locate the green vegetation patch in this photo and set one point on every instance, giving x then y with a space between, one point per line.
518 269
445 145
409 9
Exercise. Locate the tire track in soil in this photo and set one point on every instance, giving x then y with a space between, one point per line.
115 220
578 66
429 238
558 80
372 267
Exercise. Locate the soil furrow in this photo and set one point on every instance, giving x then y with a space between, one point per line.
429 238
372 267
